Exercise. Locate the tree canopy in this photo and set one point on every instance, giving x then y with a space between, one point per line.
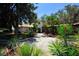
69 14
12 14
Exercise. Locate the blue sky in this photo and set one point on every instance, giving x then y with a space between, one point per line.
48 8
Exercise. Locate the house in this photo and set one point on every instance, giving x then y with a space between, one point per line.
76 27
24 27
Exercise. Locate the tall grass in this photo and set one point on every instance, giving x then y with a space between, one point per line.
28 50
57 48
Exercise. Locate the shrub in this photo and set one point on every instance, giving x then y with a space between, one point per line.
65 29
13 41
24 50
1 49
28 50
36 52
28 34
57 48
71 51
35 27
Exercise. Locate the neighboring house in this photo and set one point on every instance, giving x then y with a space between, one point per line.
24 27
76 24
76 27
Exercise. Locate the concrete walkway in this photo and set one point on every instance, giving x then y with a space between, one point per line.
42 42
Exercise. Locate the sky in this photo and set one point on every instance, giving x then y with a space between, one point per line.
48 8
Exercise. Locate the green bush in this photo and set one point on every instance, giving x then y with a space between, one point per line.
65 29
35 27
28 50
13 41
71 51
1 49
57 48
30 33
25 50
36 52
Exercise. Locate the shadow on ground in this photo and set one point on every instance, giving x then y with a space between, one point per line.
30 40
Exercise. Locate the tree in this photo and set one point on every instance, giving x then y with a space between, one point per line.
69 14
72 11
12 14
62 16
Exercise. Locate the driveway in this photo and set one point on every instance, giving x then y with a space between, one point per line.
42 42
